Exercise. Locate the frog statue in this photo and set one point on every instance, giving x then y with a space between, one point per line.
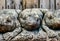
52 21
33 27
9 23
30 19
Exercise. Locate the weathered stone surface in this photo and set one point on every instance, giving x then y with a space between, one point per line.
27 30
1 37
18 11
30 36
8 20
44 10
47 21
10 35
30 19
52 19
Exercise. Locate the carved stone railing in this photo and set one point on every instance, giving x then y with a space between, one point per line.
29 25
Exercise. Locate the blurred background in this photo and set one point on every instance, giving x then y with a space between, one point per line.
23 4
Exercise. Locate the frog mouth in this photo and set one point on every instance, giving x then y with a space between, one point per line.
31 27
6 28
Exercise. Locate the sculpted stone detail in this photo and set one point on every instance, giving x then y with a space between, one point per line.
52 20
31 19
8 20
29 25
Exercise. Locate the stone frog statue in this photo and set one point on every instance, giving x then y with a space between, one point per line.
8 20
9 24
31 19
51 21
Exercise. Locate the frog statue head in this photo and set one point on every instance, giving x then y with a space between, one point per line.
30 19
8 20
52 19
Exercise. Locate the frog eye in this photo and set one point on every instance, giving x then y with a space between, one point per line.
29 15
38 19
8 20
24 18
50 17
